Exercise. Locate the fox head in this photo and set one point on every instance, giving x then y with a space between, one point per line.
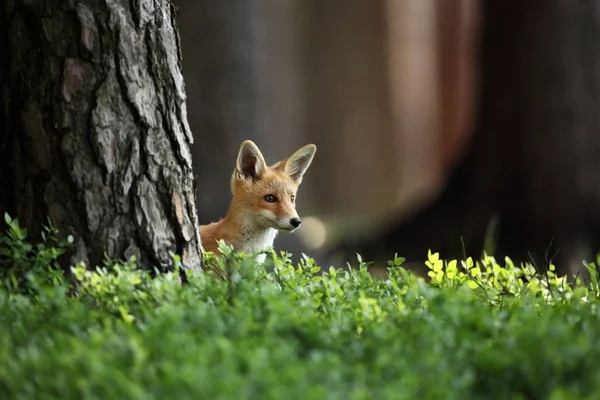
266 195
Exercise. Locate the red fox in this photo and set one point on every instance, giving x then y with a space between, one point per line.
263 203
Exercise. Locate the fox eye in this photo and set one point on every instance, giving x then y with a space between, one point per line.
270 198
293 198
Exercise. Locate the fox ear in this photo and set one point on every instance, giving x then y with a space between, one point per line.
297 164
250 162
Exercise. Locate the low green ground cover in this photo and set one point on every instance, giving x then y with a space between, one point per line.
477 329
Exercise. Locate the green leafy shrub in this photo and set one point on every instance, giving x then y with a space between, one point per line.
502 284
284 329
20 260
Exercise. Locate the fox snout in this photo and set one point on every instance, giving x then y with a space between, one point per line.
279 221
292 223
287 223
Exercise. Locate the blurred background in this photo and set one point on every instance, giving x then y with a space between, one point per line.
452 125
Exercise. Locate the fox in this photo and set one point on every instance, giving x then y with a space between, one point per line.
263 200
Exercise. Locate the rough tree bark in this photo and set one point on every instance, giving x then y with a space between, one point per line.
93 129
533 162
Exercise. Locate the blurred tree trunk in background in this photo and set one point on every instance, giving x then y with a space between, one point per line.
532 164
93 129
221 59
347 112
457 23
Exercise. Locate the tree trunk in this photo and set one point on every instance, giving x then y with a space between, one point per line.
94 130
533 162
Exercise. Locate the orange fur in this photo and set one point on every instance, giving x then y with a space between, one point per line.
252 222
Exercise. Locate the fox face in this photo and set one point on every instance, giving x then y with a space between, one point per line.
263 203
265 196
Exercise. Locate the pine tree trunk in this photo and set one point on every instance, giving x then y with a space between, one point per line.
93 130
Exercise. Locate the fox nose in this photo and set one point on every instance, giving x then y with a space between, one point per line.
295 222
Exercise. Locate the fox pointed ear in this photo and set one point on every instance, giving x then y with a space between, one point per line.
250 162
297 164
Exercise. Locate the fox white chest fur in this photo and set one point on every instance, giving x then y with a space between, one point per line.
263 200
